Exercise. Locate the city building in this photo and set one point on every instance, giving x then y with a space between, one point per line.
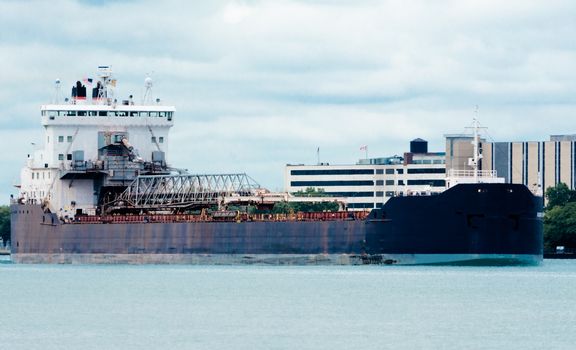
536 164
371 182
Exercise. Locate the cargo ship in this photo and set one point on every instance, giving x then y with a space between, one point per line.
101 191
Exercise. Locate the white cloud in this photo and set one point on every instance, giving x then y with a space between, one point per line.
258 84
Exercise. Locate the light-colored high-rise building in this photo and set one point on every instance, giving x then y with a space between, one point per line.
536 164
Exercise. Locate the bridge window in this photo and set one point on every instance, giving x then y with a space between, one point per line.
61 156
153 139
143 114
69 138
133 114
161 139
60 138
169 115
161 114
102 113
81 113
153 114
92 113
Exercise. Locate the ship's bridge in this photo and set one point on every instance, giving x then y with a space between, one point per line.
94 114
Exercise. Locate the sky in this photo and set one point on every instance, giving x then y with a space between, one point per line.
261 84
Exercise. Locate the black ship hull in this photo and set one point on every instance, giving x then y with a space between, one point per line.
469 223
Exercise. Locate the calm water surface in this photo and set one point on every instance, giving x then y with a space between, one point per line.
251 307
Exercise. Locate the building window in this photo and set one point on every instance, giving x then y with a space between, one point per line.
69 156
333 172
400 171
389 193
331 183
389 182
427 171
401 182
153 139
379 171
379 182
60 138
433 183
349 194
69 138
389 171
161 139
60 156
379 194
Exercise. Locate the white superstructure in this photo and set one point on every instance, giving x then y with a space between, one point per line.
94 141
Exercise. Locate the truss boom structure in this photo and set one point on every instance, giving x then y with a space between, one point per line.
184 191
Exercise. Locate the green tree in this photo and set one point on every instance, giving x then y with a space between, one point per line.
559 195
282 208
317 206
311 192
5 223
294 207
560 226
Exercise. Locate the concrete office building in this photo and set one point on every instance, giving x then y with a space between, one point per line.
371 182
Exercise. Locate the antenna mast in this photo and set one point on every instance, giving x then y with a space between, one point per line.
148 83
103 86
475 160
57 91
